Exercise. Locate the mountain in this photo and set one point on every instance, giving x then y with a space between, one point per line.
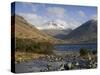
52 25
56 29
86 33
60 34
24 30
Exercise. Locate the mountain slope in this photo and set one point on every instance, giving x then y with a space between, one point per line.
60 34
86 33
24 30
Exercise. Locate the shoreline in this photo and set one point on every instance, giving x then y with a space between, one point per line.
54 63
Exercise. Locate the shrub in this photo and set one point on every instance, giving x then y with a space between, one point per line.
84 52
29 45
94 52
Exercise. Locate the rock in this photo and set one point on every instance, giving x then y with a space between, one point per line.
49 67
77 64
66 67
69 65
56 59
94 65
89 57
44 70
61 67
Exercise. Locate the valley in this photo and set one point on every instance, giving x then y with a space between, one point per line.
55 49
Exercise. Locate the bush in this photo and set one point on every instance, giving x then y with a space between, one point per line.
94 52
84 52
29 45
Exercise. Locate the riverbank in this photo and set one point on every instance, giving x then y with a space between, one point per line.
61 60
57 55
26 56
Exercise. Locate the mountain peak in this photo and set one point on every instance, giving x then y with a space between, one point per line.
52 25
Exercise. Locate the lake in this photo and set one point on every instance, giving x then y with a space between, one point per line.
75 47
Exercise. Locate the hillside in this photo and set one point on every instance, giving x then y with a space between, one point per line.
24 30
86 33
59 34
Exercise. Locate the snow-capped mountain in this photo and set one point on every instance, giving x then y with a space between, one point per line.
52 25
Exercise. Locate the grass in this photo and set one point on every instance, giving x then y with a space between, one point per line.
26 56
28 45
88 54
27 49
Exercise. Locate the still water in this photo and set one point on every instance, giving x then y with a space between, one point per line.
75 47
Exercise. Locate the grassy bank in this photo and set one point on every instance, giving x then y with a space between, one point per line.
28 45
26 56
27 49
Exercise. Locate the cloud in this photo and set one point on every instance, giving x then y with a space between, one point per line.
39 21
33 18
28 5
35 7
94 16
74 24
56 11
69 23
58 15
82 14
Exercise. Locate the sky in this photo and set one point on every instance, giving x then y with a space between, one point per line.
70 16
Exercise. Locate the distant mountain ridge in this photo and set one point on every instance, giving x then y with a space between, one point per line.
55 29
86 33
60 34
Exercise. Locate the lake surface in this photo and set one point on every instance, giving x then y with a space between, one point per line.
75 47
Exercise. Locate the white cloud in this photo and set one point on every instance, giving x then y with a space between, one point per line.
26 4
56 11
30 5
34 8
94 17
33 18
74 24
81 13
